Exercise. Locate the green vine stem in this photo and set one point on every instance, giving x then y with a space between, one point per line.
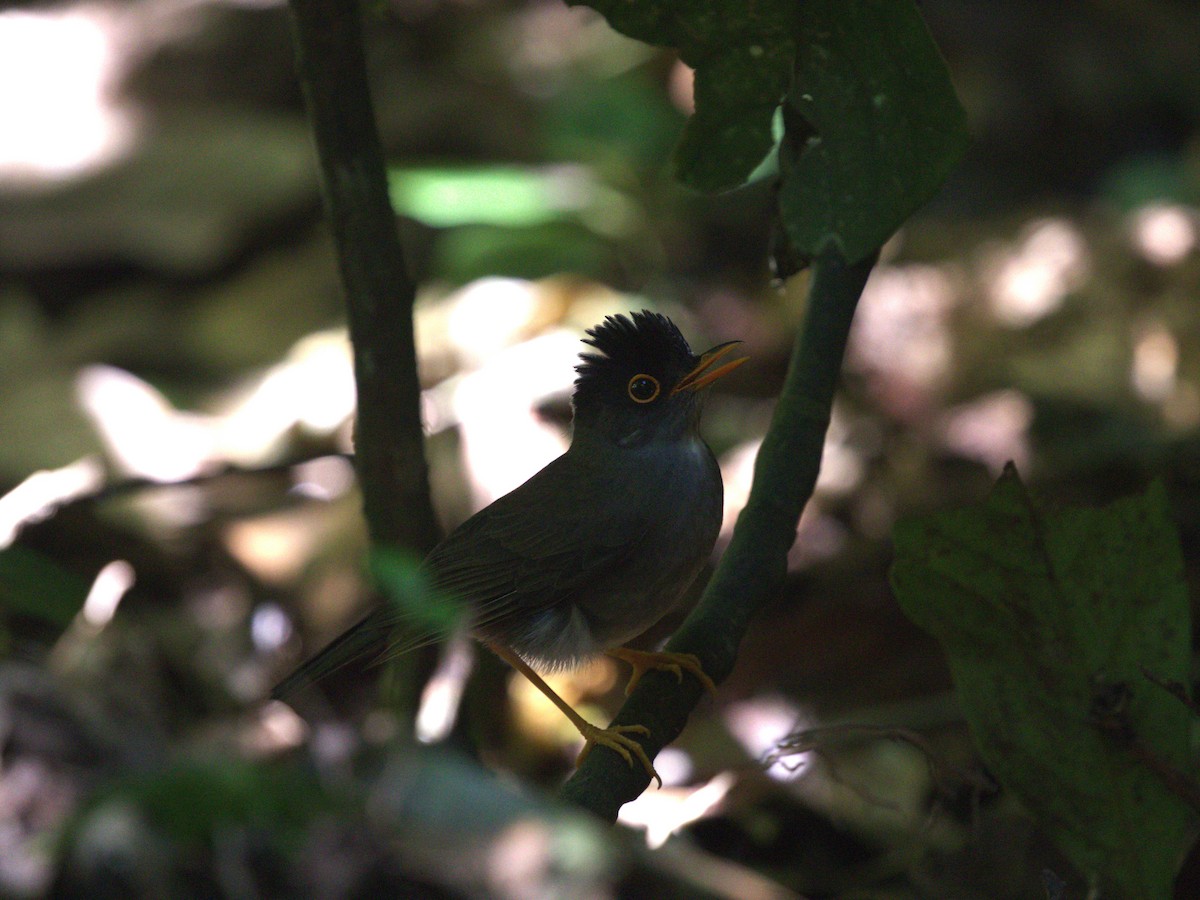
754 565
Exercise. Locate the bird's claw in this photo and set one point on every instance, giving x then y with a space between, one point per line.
614 737
643 661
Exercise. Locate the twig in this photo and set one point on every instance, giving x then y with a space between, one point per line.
940 769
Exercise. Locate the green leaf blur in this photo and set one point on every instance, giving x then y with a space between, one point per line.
1039 613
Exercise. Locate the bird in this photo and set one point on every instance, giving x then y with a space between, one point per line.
598 546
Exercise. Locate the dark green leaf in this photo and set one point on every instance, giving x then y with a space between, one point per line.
889 128
192 801
34 585
1044 616
409 595
742 54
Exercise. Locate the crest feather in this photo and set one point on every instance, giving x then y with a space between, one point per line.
640 341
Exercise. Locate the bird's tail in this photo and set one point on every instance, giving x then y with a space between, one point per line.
369 640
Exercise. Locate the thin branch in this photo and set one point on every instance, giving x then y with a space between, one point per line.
389 442
818 740
755 564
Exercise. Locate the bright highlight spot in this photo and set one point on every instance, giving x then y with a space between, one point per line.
760 723
504 441
665 811
993 429
1155 362
325 478
111 584
313 388
270 628
674 766
145 434
1164 233
443 692
490 314
737 473
1032 281
274 547
842 467
58 70
275 729
42 493
495 195
900 325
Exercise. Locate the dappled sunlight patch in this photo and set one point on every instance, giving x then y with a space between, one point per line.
541 721
273 728
993 429
43 492
1164 233
312 389
878 788
504 440
326 478
145 435
440 699
270 628
1030 280
59 117
663 812
737 471
760 723
842 464
111 584
901 326
1155 362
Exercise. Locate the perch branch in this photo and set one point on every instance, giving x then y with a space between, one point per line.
754 566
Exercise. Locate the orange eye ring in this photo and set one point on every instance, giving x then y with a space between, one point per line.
643 388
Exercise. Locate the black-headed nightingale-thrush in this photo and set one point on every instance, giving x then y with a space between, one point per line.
599 545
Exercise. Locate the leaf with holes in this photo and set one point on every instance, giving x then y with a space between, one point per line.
873 126
1048 620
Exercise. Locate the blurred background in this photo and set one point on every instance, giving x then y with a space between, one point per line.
179 523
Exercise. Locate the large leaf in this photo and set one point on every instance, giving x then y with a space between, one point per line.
882 127
872 124
742 54
1045 616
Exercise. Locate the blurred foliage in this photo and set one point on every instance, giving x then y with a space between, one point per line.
34 585
200 268
193 801
1050 621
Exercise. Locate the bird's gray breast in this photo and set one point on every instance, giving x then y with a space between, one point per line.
647 529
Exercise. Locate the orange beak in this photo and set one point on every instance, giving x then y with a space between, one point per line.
704 374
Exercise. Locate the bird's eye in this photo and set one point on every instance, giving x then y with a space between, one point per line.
643 388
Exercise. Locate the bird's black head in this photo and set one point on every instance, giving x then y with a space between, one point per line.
644 382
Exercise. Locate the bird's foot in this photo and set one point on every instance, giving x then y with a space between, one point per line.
644 660
614 737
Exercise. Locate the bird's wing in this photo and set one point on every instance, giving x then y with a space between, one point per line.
528 550
536 546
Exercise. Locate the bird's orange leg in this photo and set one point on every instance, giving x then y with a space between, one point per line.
614 737
643 661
